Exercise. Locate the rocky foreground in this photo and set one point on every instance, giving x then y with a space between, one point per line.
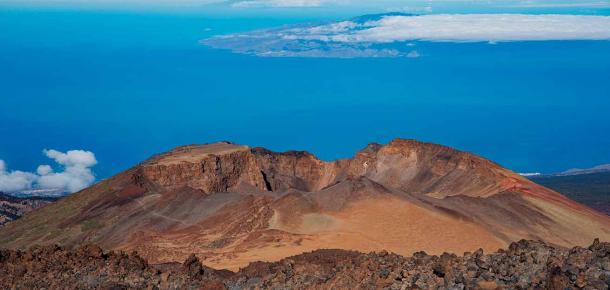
524 265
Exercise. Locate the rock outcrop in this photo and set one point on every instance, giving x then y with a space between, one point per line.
524 265
231 205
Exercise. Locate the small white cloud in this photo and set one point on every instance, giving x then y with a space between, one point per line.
530 174
76 174
72 158
44 169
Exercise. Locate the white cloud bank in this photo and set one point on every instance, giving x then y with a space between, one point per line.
466 27
14 180
75 176
380 35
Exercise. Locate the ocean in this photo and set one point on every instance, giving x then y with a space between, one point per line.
129 84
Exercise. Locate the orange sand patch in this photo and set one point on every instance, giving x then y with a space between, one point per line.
399 226
373 225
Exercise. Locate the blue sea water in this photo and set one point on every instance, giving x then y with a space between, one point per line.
127 85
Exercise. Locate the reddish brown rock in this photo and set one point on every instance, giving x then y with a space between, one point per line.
525 265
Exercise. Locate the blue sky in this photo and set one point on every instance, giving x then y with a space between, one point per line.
340 7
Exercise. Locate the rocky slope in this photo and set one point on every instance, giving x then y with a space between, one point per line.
524 265
232 205
12 208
